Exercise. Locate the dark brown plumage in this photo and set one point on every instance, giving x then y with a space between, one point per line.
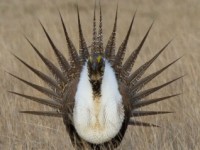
62 89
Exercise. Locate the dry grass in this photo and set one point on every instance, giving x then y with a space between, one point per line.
174 19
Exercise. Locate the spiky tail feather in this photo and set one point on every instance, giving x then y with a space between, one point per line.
68 71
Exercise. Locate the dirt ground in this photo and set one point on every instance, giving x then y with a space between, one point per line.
178 20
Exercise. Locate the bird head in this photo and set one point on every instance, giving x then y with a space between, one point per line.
96 65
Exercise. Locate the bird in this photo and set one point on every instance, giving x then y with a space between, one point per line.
95 92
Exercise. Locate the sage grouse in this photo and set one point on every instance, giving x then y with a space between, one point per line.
95 92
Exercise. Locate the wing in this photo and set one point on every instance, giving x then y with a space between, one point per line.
67 110
126 109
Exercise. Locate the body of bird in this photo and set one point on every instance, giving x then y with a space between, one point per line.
95 93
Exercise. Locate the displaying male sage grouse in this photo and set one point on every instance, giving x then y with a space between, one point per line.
95 93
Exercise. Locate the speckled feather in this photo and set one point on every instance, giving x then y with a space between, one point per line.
64 86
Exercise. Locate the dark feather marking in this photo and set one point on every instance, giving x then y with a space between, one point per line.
122 49
64 65
141 70
74 58
139 123
52 68
142 103
44 113
148 113
150 77
41 75
84 53
132 58
100 33
110 48
145 93
51 103
94 42
43 90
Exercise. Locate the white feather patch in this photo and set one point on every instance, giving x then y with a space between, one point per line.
98 121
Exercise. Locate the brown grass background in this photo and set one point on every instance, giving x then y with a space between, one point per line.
178 20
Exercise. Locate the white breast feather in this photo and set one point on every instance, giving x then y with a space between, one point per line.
98 122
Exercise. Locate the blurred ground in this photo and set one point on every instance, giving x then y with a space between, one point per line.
177 20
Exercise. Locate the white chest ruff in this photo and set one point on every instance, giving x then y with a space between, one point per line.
98 121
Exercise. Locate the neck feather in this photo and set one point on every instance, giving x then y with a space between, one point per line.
98 119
